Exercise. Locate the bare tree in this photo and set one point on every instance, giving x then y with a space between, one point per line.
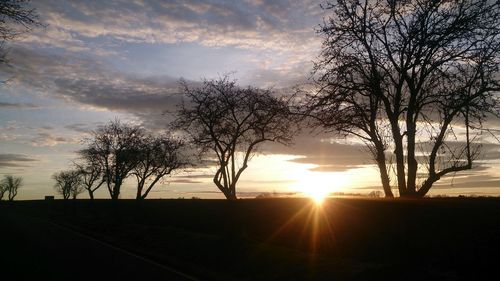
91 172
11 185
68 183
231 122
158 157
404 77
115 147
3 189
16 18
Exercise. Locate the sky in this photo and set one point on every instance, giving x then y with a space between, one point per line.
95 61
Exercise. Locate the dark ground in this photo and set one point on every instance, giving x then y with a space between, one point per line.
37 249
269 239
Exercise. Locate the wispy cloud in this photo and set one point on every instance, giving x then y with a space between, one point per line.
9 105
279 35
15 160
48 136
47 139
277 25
81 127
89 82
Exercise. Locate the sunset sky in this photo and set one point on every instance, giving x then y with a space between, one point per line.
100 60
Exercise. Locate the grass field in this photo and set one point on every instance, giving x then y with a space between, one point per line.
295 239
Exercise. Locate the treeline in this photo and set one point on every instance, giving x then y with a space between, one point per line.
221 120
117 151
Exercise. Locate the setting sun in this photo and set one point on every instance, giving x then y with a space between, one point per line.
318 185
319 190
318 196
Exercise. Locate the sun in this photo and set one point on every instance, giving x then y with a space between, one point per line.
318 195
318 185
318 189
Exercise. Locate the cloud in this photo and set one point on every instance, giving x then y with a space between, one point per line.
276 25
183 180
473 180
82 127
61 59
121 93
278 32
47 139
8 105
8 131
15 160
89 82
287 75
331 154
323 150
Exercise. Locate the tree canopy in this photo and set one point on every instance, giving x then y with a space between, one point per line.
414 80
230 122
68 183
115 148
159 156
10 185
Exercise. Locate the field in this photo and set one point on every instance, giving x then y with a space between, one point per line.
294 239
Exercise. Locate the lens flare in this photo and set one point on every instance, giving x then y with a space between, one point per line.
318 194
318 185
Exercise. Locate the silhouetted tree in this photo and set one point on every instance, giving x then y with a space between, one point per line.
91 172
115 147
15 18
231 122
3 189
10 185
404 76
68 183
158 157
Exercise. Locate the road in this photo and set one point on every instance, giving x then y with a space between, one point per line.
36 249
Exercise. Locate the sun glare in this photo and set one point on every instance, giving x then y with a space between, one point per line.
318 190
318 185
318 196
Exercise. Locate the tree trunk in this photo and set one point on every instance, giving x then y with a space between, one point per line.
231 196
116 193
116 190
384 177
138 195
412 162
91 194
151 185
398 151
228 193
427 185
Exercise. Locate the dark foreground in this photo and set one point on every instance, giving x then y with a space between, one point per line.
271 239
